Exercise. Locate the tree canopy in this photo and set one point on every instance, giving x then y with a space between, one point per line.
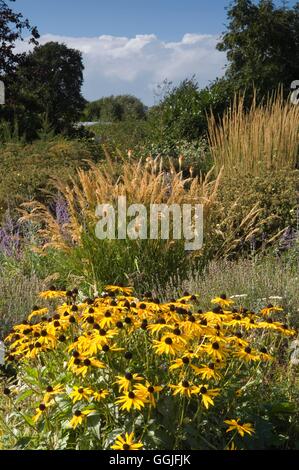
12 26
115 108
47 84
262 45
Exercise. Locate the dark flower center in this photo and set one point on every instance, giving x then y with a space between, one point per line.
131 395
168 341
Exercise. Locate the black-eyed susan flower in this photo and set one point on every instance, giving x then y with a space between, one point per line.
264 355
127 381
179 363
40 411
80 393
207 371
84 365
184 388
207 395
135 399
247 354
126 443
242 429
51 392
217 350
78 417
270 309
223 301
120 289
100 394
167 345
52 294
149 391
37 312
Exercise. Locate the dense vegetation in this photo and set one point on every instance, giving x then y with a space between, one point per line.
227 371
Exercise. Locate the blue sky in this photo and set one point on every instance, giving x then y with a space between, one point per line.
168 19
129 46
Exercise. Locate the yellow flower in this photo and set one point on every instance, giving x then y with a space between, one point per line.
52 294
247 354
40 411
148 391
180 362
126 443
79 417
52 391
100 394
234 425
80 393
216 350
207 395
270 309
134 399
207 371
188 298
184 388
167 345
38 312
126 382
82 366
122 290
222 301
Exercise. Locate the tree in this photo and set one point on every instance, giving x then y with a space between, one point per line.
181 113
51 76
12 26
115 109
262 45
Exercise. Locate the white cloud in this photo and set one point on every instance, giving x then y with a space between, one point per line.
116 65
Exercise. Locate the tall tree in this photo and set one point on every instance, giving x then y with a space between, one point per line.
12 27
52 74
262 45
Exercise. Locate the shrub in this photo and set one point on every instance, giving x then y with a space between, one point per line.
88 371
27 169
